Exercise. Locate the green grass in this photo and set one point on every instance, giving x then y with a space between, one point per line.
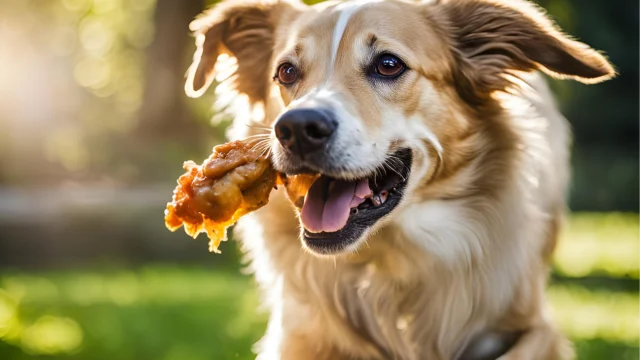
170 312
157 312
604 244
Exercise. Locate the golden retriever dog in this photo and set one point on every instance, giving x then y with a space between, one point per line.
444 165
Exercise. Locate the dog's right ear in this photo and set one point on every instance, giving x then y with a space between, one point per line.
244 29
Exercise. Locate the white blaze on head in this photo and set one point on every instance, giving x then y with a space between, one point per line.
346 9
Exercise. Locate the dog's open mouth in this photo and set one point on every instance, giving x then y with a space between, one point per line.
337 212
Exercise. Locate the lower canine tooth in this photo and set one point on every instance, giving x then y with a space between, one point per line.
379 199
383 196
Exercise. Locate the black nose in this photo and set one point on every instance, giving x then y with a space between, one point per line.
303 131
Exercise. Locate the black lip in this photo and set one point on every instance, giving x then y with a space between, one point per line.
326 243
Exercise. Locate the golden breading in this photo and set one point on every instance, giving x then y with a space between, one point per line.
235 180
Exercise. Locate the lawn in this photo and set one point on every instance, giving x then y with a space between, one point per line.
176 312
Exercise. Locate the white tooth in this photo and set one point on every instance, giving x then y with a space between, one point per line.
383 196
375 199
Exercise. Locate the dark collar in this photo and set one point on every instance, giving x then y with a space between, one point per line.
489 345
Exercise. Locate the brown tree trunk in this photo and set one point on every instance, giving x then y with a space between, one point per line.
163 114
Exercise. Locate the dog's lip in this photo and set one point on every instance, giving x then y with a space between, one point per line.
364 215
303 170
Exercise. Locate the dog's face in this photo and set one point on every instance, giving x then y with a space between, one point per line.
377 96
360 100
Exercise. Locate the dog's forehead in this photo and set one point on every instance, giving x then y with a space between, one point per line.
345 11
338 29
332 22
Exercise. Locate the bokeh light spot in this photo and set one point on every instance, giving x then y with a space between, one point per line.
8 313
51 335
95 36
76 5
92 73
67 148
106 6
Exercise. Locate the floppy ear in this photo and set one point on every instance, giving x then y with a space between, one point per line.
492 38
245 30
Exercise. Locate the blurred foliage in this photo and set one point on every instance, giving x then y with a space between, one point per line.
604 117
179 312
73 84
99 46
92 93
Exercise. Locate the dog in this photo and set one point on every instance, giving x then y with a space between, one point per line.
443 166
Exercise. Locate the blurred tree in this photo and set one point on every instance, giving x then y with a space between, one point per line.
163 108
605 116
167 127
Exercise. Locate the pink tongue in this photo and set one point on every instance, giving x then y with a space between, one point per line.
311 215
331 215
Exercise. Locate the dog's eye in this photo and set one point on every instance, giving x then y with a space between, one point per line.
389 65
287 74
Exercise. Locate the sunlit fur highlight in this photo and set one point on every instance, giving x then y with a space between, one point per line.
467 251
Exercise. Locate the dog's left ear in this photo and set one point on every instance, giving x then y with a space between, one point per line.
492 37
245 30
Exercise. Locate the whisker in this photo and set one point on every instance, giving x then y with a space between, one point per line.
263 134
399 174
392 162
259 144
262 149
267 149
257 125
262 130
267 142
377 172
259 128
401 166
257 136
262 140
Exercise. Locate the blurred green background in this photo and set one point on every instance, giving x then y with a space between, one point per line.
94 127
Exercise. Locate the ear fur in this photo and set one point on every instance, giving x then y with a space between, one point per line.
493 38
245 30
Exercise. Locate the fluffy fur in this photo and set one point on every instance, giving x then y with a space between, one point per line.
466 253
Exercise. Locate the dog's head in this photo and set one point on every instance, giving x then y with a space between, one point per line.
377 96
